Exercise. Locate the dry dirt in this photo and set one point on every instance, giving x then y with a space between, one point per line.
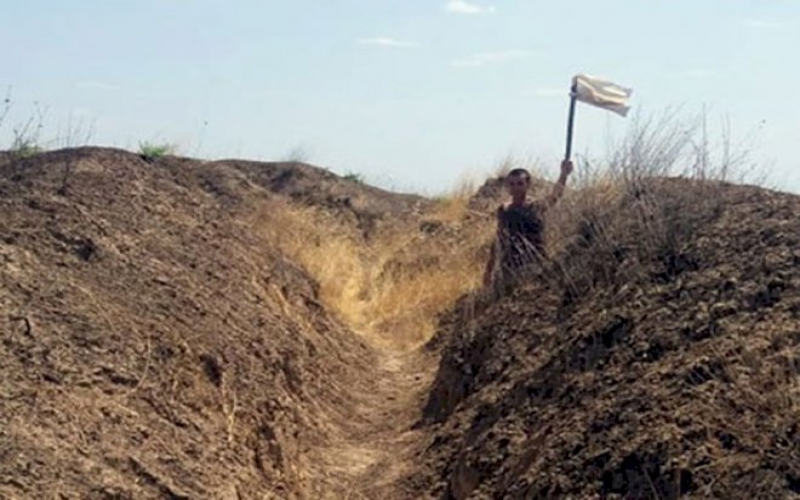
633 367
154 346
158 343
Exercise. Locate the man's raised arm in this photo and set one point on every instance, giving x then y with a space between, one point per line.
558 189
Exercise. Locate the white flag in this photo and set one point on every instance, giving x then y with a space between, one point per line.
602 93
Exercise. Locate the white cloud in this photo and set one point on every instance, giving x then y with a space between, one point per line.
465 7
487 58
386 41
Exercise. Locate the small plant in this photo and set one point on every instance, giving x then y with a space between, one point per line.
354 177
25 148
26 142
150 151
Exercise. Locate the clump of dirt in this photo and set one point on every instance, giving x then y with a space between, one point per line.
656 358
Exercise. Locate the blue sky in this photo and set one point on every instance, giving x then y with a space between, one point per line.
412 94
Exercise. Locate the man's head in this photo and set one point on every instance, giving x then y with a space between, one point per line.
518 181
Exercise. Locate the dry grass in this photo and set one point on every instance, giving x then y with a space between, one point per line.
453 205
394 287
621 208
323 246
414 290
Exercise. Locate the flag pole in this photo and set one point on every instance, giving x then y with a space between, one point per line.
571 122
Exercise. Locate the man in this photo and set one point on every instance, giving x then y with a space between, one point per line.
520 228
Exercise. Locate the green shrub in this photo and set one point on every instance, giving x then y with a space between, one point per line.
151 151
354 177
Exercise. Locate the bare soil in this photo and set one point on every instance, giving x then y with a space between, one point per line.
155 346
664 375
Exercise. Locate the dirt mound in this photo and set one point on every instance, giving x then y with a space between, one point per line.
656 358
363 205
153 345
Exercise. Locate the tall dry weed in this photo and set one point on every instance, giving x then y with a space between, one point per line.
656 191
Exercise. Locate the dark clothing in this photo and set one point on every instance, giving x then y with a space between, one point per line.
521 235
518 252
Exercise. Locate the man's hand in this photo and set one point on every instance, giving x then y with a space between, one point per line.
566 168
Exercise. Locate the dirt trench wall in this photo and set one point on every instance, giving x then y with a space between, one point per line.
152 346
676 382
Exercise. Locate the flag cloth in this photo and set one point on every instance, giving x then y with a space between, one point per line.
602 93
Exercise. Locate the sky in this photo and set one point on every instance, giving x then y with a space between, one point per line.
413 95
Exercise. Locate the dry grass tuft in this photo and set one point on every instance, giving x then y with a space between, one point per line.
628 211
393 287
453 205
325 247
422 278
